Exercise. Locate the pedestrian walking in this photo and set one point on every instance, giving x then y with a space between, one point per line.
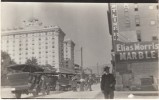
82 82
90 83
74 84
108 84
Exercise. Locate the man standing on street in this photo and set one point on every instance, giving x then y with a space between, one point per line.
108 84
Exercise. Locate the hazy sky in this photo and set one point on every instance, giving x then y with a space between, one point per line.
86 24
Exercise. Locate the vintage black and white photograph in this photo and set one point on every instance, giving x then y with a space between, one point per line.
79 50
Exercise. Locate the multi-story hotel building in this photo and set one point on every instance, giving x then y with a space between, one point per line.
34 40
69 54
131 26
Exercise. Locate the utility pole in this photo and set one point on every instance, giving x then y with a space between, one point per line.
82 82
97 69
81 59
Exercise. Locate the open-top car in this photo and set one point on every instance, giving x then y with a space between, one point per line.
24 79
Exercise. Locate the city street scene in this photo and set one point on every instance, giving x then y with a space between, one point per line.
79 51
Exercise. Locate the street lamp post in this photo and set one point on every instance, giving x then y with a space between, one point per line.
82 72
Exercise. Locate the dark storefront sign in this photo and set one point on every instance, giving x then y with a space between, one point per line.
136 51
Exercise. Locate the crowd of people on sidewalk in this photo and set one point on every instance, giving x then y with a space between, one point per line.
83 84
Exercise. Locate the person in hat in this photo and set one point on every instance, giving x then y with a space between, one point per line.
108 84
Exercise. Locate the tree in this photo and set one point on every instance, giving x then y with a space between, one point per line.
32 61
5 61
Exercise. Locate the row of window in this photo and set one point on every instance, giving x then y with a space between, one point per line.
22 49
150 7
138 33
137 18
46 47
21 58
10 37
137 21
46 56
32 35
40 45
46 62
39 53
19 40
126 7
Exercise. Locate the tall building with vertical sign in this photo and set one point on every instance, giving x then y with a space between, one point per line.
134 29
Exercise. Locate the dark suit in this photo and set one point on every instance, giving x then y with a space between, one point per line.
108 85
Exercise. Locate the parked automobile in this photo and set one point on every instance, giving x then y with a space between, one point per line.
26 79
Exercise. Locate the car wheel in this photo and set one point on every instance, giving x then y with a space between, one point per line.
18 95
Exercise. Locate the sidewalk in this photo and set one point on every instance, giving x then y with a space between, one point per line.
136 95
132 95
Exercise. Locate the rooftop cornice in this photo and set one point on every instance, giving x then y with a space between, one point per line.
69 41
29 31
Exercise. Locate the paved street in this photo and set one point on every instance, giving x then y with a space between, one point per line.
95 94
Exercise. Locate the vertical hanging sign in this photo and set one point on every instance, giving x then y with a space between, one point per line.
114 21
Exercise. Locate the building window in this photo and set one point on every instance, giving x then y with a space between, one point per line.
126 14
157 7
150 7
152 22
52 46
136 7
137 20
138 33
154 38
126 7
127 23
